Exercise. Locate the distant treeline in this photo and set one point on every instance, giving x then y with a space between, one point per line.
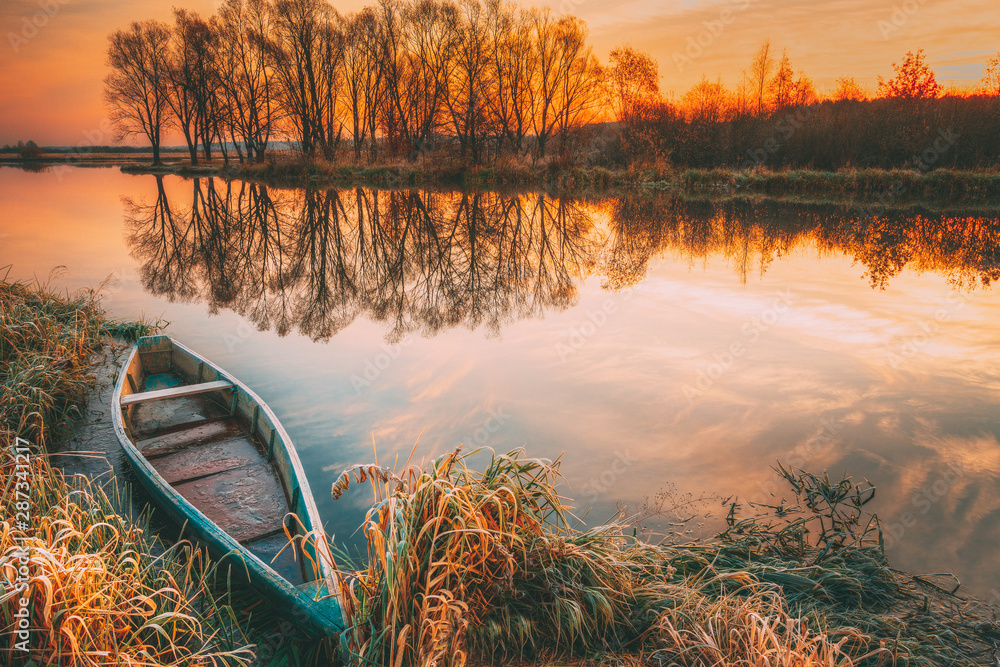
483 81
921 134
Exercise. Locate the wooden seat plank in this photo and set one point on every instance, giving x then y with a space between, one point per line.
159 417
176 392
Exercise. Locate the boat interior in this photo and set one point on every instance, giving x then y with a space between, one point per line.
210 442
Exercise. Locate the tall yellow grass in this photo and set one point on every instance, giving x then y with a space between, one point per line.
486 566
97 595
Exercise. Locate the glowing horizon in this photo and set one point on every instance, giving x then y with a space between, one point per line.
52 77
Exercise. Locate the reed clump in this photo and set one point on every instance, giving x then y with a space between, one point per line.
47 344
467 566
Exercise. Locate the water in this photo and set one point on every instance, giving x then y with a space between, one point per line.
659 345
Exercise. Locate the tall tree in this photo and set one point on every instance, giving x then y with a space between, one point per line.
246 74
361 75
633 79
138 87
468 86
510 51
914 79
307 48
783 84
579 78
191 75
760 73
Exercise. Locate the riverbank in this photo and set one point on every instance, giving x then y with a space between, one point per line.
879 189
872 189
85 573
83 577
522 585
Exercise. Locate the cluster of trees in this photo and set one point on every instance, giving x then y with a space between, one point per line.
479 79
397 77
27 151
775 118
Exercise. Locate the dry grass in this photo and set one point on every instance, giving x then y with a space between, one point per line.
47 344
96 593
747 631
469 566
100 589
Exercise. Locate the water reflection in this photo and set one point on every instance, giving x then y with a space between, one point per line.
899 385
315 260
751 234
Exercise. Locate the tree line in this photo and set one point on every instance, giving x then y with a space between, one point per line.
775 118
394 79
482 80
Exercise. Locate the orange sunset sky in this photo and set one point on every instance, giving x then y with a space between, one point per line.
51 78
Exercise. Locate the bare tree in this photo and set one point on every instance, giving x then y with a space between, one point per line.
361 75
190 73
543 77
579 79
783 84
138 86
510 50
431 43
468 87
633 80
760 73
246 74
307 48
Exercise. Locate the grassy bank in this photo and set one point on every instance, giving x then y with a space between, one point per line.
484 566
47 343
882 188
464 565
83 585
885 188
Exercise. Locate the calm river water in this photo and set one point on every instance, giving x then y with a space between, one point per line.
664 347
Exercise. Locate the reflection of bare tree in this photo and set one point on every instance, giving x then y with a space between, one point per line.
316 259
158 237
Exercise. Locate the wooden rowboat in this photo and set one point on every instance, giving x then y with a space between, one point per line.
215 458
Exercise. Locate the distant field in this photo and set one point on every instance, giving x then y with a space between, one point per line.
123 157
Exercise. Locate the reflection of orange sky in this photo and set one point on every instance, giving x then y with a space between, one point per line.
52 85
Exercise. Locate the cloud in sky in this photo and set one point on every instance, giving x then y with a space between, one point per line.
52 81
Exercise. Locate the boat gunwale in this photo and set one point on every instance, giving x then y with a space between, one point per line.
256 567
